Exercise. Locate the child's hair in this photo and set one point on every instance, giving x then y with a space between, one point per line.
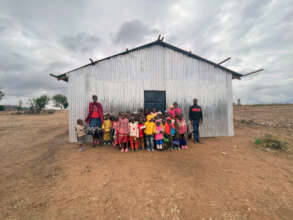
158 123
80 121
131 119
141 119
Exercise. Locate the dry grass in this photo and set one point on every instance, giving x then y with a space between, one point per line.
44 177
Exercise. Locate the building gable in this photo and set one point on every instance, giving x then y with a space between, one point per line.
235 75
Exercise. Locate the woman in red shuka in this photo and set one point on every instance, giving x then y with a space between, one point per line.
95 120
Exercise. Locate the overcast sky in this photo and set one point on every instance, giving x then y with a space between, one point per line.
42 37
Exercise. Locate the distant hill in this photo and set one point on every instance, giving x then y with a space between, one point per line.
13 107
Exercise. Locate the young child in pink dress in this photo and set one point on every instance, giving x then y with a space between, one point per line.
182 131
123 129
159 135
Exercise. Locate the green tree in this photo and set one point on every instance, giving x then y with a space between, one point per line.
1 95
37 104
60 101
41 102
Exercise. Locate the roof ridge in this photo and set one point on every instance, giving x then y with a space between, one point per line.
156 42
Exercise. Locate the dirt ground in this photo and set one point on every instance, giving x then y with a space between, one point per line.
43 176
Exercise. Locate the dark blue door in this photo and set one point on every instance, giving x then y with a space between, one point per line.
155 99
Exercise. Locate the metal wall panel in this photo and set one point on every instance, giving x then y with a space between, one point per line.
120 82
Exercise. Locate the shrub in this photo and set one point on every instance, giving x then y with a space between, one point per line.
271 142
2 108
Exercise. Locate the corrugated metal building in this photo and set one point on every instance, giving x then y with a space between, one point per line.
155 73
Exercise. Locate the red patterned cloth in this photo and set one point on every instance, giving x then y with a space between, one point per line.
100 111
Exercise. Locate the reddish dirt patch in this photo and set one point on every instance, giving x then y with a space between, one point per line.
43 176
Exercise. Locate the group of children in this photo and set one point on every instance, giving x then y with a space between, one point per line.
141 131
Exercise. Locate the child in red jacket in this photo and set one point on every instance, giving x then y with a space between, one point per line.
141 128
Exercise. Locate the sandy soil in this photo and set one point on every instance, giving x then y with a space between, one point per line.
42 176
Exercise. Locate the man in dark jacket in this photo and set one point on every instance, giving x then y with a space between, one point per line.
195 116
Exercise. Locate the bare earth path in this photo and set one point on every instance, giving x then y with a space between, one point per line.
42 176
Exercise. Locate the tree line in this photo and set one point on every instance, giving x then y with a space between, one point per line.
39 103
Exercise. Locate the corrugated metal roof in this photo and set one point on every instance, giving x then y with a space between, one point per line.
160 43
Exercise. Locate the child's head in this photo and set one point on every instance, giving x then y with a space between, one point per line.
154 110
113 118
147 111
106 116
175 104
136 118
79 121
131 118
141 120
158 123
149 117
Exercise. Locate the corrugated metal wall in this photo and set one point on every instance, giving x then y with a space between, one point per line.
120 82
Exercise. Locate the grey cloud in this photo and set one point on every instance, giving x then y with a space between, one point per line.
13 62
53 37
81 42
133 32
254 9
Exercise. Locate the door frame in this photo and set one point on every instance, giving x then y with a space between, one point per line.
155 91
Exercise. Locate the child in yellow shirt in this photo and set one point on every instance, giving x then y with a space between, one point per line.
106 127
150 129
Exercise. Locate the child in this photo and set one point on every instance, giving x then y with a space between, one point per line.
150 129
106 128
123 129
159 136
182 132
80 133
176 142
141 128
189 129
133 133
115 126
169 131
